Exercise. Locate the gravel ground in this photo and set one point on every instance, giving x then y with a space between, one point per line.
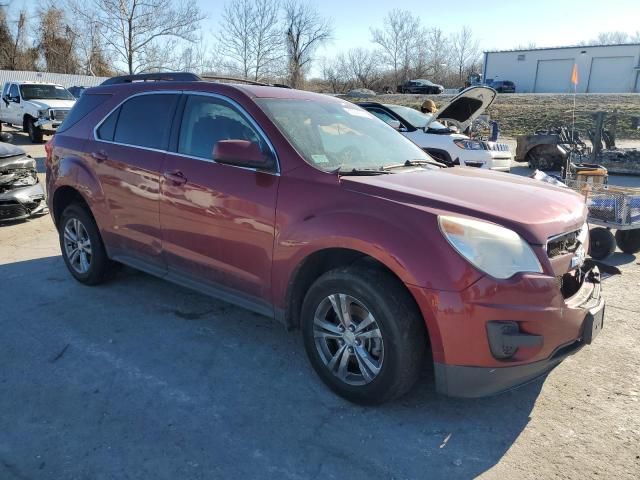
142 379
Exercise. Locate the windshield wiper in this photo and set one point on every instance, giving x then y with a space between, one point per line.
362 172
412 163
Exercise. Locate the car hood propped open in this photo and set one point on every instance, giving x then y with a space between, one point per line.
467 106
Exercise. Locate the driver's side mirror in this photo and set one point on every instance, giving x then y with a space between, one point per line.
242 153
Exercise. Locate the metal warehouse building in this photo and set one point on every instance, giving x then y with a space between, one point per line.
601 68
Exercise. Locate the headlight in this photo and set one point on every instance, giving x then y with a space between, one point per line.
43 113
495 250
467 144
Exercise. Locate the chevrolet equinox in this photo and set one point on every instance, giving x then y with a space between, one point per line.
310 210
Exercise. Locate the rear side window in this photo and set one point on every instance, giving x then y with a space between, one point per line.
108 126
145 121
85 105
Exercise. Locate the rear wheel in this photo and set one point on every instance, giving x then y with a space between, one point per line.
82 248
363 334
628 240
602 243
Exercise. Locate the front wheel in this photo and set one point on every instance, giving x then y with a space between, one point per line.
363 334
35 132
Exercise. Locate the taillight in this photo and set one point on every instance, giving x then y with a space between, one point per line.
48 148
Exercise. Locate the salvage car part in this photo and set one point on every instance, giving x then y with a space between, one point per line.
21 194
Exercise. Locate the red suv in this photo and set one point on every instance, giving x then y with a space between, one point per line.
308 209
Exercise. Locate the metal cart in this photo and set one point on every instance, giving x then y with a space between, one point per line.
610 207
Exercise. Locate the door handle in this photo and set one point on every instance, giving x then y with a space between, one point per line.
99 156
176 177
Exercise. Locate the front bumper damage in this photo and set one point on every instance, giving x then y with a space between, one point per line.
21 193
48 125
539 330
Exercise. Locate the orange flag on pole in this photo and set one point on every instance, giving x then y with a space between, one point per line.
574 74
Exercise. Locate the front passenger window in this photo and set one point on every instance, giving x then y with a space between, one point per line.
206 121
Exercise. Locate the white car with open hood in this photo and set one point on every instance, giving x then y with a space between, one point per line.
38 108
442 142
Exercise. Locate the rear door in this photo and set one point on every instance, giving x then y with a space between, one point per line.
128 152
218 220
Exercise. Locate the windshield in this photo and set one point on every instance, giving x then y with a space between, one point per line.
44 92
332 135
415 118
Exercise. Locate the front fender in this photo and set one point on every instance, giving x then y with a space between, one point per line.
407 241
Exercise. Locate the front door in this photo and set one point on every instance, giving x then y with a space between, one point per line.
218 220
128 155
15 106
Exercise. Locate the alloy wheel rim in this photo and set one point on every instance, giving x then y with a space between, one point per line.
348 339
77 245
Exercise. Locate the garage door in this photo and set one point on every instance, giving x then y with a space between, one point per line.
554 76
611 75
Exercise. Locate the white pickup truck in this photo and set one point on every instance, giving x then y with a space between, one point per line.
39 108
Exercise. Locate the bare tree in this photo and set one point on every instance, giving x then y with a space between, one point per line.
611 38
398 40
465 50
305 30
56 41
22 56
250 37
6 41
333 74
362 66
141 34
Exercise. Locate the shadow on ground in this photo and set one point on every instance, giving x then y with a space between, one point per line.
140 378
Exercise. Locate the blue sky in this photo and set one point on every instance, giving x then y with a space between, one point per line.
496 24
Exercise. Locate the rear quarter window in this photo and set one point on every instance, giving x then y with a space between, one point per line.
145 120
85 105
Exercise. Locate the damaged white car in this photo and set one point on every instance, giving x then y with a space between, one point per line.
21 193
442 142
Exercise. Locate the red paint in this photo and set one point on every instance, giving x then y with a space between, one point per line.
250 231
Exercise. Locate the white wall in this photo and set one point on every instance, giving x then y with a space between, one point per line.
506 66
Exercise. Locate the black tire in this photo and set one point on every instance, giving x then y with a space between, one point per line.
540 160
100 266
628 240
602 243
35 133
400 324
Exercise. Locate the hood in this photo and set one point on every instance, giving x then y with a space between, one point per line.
467 106
533 209
7 150
51 103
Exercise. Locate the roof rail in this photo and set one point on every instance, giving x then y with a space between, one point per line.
153 77
243 80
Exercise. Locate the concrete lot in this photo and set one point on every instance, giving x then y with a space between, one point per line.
142 379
